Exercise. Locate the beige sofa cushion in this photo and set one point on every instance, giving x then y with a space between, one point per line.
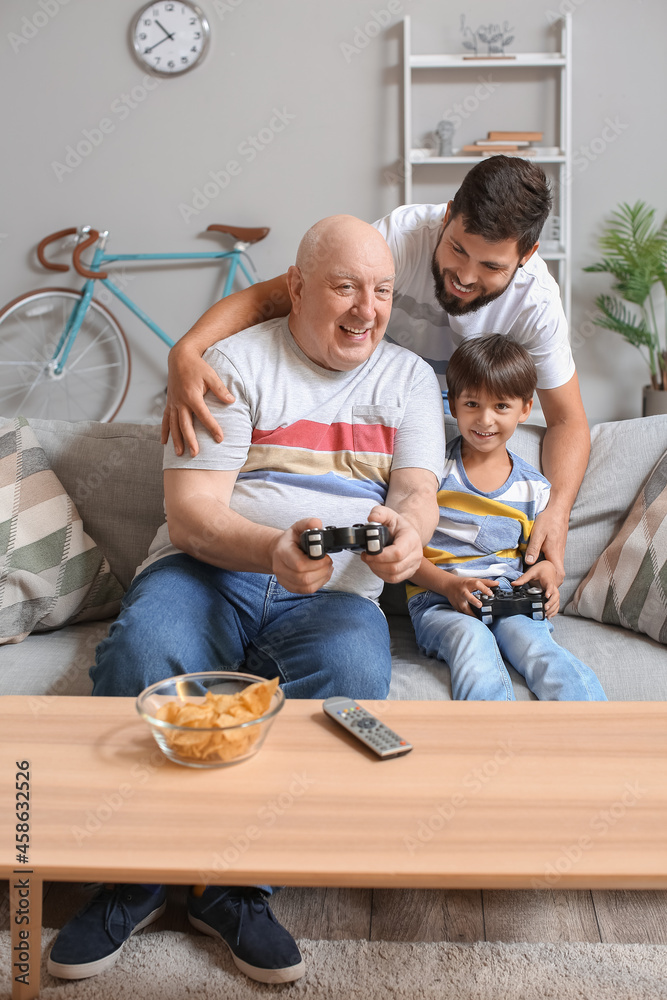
627 585
623 453
113 472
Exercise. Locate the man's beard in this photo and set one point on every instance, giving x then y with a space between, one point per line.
454 305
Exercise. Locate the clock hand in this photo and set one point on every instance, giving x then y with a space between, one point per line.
164 29
146 51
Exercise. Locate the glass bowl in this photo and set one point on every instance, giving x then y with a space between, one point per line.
215 746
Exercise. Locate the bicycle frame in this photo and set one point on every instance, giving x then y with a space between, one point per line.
76 318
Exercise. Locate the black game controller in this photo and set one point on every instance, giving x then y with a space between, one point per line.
525 600
371 538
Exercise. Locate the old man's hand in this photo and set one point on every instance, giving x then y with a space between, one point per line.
402 558
293 569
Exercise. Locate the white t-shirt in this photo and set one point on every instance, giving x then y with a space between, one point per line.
529 310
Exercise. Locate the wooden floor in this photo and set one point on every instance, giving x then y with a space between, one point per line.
425 915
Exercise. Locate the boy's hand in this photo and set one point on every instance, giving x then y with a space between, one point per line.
545 574
460 590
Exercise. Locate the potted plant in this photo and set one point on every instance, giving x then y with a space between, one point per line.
635 254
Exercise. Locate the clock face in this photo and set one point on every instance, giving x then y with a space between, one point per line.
170 36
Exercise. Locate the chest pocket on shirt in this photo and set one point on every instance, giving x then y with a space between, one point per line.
497 534
373 432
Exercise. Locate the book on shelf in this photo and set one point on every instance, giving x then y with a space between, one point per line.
506 148
501 142
479 147
515 136
527 151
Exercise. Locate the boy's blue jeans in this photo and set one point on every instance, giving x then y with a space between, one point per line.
181 615
475 652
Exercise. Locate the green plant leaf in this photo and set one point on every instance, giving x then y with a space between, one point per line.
635 255
615 316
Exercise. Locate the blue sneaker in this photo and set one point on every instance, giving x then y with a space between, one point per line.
242 918
92 941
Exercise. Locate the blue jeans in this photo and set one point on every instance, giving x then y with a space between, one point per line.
475 654
181 615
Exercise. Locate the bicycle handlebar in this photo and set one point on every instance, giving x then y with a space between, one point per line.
50 239
93 236
246 235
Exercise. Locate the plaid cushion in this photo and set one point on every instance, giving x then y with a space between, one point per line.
51 571
627 585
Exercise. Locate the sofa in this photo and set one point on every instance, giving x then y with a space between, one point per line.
113 474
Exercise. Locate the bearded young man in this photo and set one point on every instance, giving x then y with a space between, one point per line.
463 270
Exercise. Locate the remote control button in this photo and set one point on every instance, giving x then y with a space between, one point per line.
366 723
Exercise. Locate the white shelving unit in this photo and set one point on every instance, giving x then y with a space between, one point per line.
558 250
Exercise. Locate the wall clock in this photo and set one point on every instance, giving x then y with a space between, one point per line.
170 37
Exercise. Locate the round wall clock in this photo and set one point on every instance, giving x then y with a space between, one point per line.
170 37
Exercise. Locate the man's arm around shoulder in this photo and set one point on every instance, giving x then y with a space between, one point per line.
567 445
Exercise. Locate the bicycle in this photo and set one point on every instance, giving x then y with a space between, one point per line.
70 358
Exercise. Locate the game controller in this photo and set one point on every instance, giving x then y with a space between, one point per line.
524 600
371 538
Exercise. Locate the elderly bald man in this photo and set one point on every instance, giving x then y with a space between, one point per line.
330 425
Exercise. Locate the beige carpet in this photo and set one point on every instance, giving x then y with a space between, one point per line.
169 965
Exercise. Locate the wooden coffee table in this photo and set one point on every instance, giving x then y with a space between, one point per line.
520 795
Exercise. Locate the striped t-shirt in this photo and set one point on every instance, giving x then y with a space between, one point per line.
310 442
484 534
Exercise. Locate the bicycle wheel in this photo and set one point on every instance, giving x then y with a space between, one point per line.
94 380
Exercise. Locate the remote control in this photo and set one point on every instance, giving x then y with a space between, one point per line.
369 730
526 600
371 538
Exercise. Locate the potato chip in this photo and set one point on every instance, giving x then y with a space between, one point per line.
216 714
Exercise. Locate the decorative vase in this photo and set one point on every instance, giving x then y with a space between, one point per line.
654 401
445 133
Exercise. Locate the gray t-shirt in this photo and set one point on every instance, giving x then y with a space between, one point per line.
309 442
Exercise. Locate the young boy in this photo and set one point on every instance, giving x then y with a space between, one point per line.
489 499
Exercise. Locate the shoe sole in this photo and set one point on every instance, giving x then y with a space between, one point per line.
61 971
286 975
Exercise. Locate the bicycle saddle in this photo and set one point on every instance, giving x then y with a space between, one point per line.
245 235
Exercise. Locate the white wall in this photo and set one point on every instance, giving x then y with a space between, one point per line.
339 90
